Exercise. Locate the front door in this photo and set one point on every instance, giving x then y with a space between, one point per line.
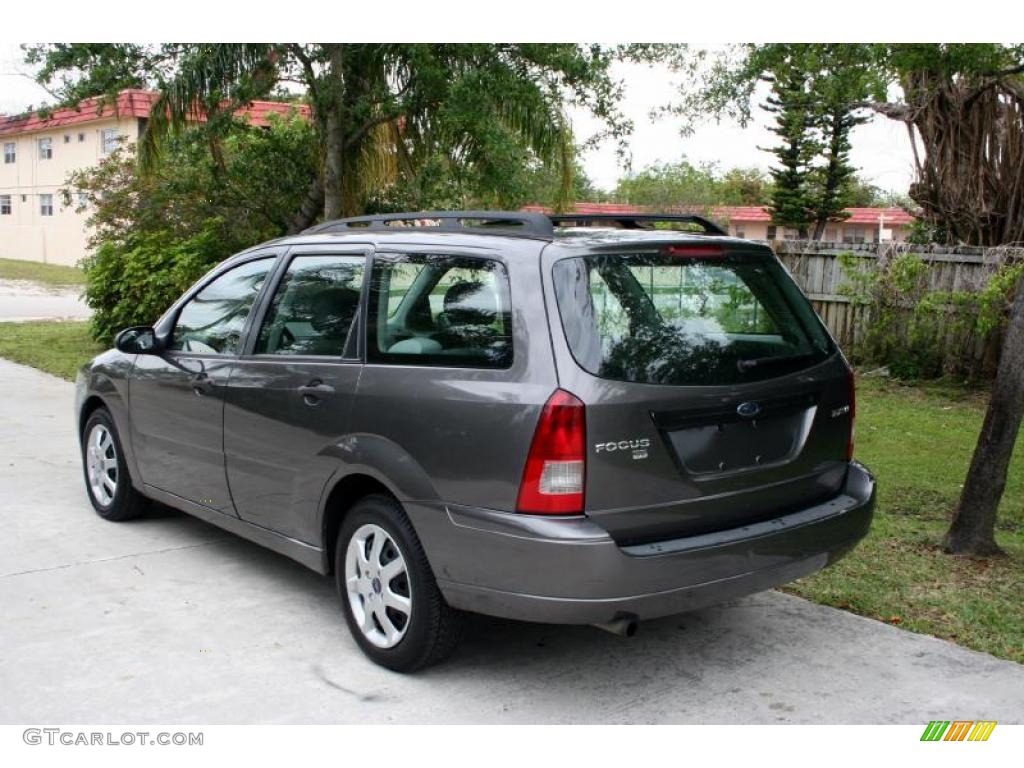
177 398
289 399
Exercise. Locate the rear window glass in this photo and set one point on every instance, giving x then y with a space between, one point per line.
439 310
661 319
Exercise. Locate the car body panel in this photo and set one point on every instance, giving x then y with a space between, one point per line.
177 428
450 443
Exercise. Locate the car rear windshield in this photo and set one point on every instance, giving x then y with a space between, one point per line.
684 320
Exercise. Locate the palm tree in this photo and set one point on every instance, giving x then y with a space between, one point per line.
381 109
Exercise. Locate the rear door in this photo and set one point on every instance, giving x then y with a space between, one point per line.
289 400
714 396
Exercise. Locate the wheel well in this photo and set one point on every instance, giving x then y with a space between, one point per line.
90 405
341 499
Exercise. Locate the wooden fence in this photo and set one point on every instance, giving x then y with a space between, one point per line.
816 268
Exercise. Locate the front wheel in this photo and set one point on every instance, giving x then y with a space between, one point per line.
389 595
106 470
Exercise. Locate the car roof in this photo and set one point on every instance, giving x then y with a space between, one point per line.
565 239
506 233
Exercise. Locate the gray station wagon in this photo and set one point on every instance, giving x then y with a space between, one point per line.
566 419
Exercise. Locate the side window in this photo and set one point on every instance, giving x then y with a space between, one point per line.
314 308
212 320
440 310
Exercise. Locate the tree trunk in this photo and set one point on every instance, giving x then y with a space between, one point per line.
334 148
974 522
334 135
311 207
819 230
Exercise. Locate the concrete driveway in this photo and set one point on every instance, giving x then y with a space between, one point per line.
27 300
170 620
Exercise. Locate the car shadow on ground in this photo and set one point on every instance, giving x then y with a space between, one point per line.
496 650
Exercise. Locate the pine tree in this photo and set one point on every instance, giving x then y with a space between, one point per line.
837 86
792 106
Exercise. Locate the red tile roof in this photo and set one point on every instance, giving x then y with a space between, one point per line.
870 216
736 213
129 103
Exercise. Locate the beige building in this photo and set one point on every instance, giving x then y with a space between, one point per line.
39 152
861 225
37 221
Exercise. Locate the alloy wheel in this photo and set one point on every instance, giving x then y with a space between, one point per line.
101 462
377 584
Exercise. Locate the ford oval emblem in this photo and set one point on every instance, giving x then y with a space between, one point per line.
748 410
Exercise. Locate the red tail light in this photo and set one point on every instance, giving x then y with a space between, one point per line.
853 417
695 251
554 475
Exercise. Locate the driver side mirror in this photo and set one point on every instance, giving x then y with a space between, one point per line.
138 340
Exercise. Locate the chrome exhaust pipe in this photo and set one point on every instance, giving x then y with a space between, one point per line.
624 626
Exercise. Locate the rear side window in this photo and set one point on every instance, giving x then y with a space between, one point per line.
439 310
662 319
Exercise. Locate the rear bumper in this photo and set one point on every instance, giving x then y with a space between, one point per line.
569 571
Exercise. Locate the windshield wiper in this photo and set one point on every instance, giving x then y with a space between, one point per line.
758 362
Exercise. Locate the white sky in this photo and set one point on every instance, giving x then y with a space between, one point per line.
881 149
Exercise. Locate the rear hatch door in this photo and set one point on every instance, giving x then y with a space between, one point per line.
715 398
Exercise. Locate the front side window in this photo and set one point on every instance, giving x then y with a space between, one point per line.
439 310
212 320
662 319
45 149
108 140
314 309
10 152
5 205
46 205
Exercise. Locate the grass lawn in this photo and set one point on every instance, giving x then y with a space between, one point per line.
917 439
48 274
49 345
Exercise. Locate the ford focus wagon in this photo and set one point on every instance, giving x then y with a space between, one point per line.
566 419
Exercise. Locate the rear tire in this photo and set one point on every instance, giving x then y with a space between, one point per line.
391 601
107 480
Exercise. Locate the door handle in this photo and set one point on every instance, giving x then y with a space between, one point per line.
201 384
313 392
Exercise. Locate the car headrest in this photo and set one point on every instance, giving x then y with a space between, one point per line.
332 310
470 303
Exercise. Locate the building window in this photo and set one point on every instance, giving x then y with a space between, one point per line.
46 205
853 235
45 149
5 205
10 151
108 140
771 233
67 138
82 198
81 137
739 232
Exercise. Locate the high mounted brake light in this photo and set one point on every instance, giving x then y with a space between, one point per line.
695 251
555 467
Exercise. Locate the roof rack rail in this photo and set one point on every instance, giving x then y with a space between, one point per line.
510 223
636 220
507 223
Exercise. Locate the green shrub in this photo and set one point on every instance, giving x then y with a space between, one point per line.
921 333
154 235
